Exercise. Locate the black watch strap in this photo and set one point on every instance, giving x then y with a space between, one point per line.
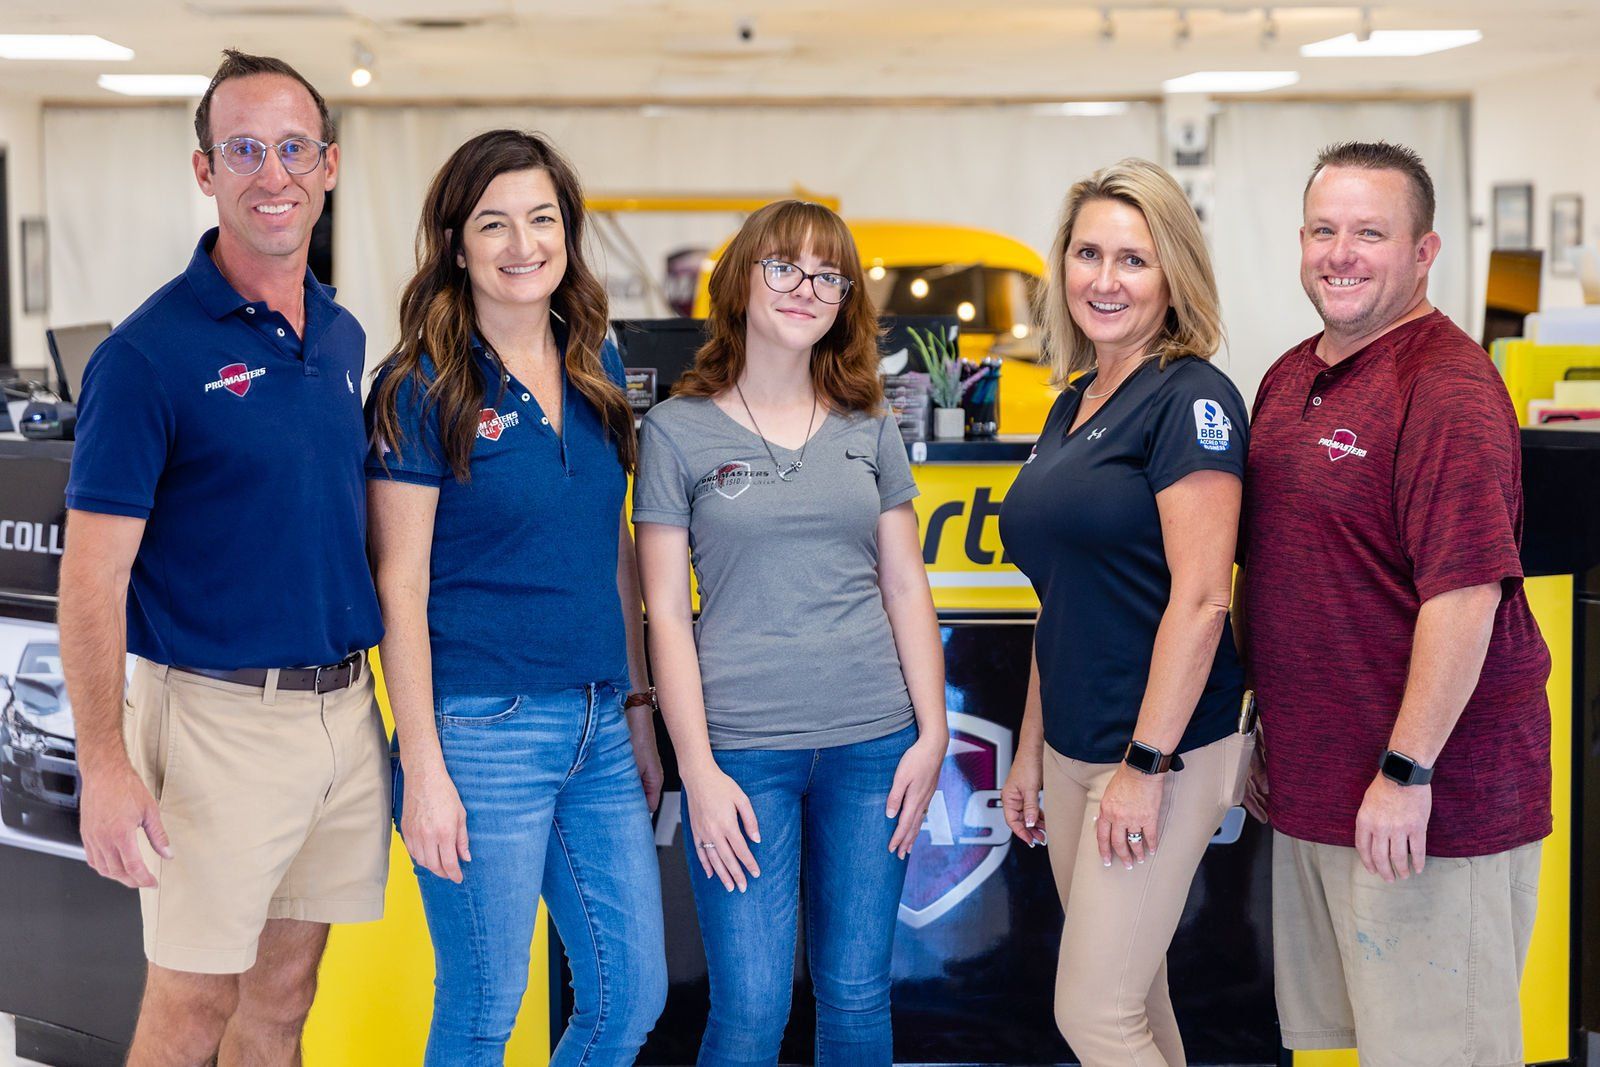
1147 759
1401 769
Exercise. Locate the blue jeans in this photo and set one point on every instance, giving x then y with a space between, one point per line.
554 808
825 806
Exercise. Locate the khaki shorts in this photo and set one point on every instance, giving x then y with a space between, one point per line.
1417 972
276 804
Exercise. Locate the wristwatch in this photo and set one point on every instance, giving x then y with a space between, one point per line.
1147 759
646 699
1403 770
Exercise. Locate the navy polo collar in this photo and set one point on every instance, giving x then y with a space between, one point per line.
219 299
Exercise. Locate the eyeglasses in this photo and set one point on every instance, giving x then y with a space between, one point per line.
246 155
782 276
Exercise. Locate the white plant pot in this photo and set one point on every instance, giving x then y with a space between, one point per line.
949 424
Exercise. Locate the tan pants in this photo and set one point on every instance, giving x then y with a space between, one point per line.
1420 972
1111 978
276 803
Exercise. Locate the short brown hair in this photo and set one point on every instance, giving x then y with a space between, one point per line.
237 64
1381 155
844 363
1193 324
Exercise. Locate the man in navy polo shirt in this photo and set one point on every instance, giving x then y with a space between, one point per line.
217 532
1400 673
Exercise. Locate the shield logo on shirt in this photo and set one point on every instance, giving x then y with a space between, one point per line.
964 835
1344 442
731 479
490 425
235 378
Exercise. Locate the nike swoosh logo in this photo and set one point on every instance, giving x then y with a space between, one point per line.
855 453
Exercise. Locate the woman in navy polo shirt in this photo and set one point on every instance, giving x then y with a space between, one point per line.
1125 518
502 441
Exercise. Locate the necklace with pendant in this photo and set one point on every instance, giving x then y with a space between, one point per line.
785 473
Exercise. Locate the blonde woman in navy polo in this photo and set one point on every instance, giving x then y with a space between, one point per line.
514 661
1124 518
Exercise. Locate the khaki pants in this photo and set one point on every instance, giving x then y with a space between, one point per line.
1111 978
1419 972
276 803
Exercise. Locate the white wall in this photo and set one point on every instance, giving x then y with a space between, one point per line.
1541 127
21 132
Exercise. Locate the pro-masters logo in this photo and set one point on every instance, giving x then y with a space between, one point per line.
964 835
491 424
1342 444
235 378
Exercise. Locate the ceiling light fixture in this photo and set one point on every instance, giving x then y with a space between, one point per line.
1183 30
187 86
1085 109
1386 43
361 73
1269 28
1108 29
1364 27
62 46
1231 81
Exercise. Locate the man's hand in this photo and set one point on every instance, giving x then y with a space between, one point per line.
1392 828
116 806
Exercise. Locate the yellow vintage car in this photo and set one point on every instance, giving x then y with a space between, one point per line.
985 279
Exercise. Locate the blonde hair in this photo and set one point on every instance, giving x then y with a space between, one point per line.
1193 325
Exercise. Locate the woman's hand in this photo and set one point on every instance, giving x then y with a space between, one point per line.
716 807
1131 804
433 823
642 732
915 780
1019 799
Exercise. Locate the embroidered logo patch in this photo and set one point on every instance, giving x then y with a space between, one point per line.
1342 444
491 424
235 378
1212 428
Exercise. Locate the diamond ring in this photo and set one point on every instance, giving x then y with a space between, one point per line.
1135 836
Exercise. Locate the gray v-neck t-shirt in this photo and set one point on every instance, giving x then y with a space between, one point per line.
795 646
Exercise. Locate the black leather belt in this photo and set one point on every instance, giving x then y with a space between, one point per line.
326 679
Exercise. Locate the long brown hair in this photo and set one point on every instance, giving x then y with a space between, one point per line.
844 363
436 309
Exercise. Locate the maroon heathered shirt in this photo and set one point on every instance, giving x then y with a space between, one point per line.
1372 486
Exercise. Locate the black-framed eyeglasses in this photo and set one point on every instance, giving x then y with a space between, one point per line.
246 155
781 276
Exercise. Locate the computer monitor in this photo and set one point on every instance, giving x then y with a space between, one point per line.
70 349
668 345
1512 292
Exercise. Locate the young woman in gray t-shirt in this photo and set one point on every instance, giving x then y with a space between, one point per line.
806 704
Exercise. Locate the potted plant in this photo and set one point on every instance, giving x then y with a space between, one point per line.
942 358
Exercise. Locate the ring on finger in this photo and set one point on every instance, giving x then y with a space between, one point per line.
1135 836
711 845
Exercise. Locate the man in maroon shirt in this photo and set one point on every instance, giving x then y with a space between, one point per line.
1398 668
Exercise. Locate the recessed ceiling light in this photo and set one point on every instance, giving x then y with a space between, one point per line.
1083 108
61 46
1230 81
1391 43
184 85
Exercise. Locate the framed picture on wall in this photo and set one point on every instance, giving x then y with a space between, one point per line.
35 267
1513 216
1566 233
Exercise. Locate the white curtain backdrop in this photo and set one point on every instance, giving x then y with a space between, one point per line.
123 208
1263 154
1004 169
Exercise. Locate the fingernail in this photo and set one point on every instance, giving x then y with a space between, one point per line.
1130 868
1028 823
756 838
1108 863
743 888
1031 843
1127 866
888 813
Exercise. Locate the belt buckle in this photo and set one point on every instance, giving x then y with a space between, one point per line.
316 681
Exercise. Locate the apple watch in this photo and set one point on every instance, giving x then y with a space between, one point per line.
1403 770
1147 759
